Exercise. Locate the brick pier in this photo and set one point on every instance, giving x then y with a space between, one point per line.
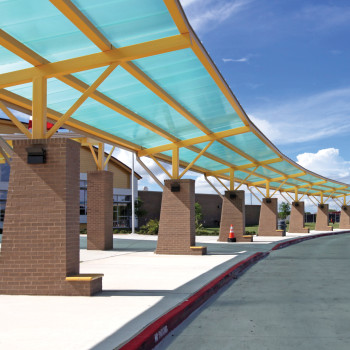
345 217
177 219
297 220
233 212
100 210
268 218
40 244
322 223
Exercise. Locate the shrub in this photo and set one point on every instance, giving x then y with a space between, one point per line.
121 230
151 228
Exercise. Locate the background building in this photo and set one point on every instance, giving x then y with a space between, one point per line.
121 184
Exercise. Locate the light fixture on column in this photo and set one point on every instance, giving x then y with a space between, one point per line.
36 154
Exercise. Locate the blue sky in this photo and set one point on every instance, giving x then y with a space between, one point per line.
287 63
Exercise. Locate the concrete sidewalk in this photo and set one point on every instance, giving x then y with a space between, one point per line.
139 286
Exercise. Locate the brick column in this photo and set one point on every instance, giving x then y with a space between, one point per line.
322 223
268 218
345 217
177 219
233 213
296 222
100 210
40 245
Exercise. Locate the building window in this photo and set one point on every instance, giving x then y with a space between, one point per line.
121 211
83 197
4 172
3 196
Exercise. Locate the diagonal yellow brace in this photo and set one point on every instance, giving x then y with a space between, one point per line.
93 154
246 178
189 166
279 187
160 166
109 157
15 121
221 182
82 99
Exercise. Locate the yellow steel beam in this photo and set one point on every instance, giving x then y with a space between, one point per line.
82 99
195 159
15 121
93 155
24 52
281 178
181 23
246 178
96 60
308 185
221 183
175 163
232 179
161 166
267 189
39 108
264 162
279 187
100 156
156 89
20 50
109 157
193 141
285 197
76 125
85 26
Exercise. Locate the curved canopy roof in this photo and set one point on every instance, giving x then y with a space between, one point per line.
134 74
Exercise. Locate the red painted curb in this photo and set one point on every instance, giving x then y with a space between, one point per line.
157 330
306 238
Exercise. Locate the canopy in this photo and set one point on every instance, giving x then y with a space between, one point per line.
134 74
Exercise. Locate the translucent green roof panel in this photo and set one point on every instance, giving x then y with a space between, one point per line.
251 145
129 22
165 92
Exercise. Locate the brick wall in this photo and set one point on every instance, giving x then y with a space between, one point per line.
177 219
268 218
322 223
233 213
345 217
99 210
296 221
40 244
211 208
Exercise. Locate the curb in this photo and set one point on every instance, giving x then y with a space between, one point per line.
306 238
158 329
149 337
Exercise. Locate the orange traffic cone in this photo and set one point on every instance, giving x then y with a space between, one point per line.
231 236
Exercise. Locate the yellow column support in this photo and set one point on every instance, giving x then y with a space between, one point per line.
109 157
175 163
39 107
100 156
321 198
232 179
296 194
344 199
267 189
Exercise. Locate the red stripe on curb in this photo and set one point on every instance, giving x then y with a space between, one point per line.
158 329
306 238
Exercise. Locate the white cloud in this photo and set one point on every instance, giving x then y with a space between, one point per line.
243 59
206 14
327 162
327 114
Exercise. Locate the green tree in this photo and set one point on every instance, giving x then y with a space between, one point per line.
139 210
198 214
284 210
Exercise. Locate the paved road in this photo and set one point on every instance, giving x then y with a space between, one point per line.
297 298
